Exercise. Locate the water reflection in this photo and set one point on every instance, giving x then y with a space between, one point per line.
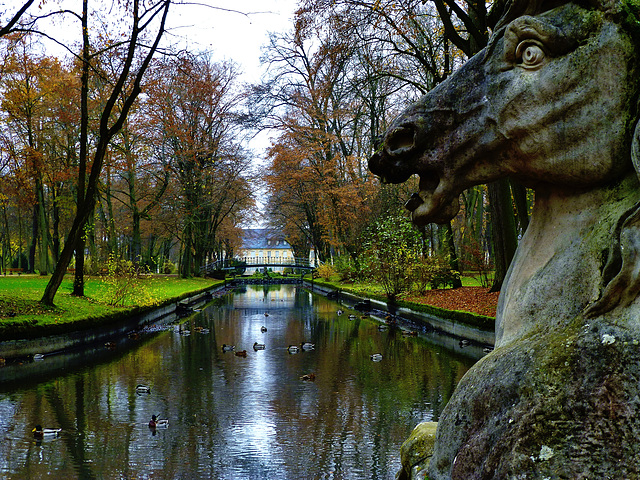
234 417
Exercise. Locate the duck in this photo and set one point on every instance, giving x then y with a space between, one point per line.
339 312
227 348
141 388
352 317
259 346
293 349
383 328
376 357
156 422
409 333
487 349
266 314
40 432
38 356
263 329
308 377
307 346
464 342
242 353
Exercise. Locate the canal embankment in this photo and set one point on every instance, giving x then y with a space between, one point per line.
99 331
464 326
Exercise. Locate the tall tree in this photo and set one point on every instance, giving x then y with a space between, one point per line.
136 60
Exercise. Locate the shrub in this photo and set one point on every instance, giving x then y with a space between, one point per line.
122 283
325 271
348 270
169 267
393 248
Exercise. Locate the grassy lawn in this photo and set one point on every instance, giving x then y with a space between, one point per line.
20 310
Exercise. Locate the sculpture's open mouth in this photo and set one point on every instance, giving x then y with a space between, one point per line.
431 204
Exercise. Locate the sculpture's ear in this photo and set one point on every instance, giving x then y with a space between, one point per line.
621 274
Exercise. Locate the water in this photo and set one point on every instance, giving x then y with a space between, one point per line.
232 417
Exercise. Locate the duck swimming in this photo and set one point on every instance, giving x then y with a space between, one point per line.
259 346
307 346
243 353
293 349
308 377
376 357
40 432
263 329
141 388
227 348
156 422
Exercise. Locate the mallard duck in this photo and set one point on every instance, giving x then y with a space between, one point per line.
263 329
38 356
227 348
156 422
383 328
487 349
352 317
376 357
141 388
40 432
307 346
259 346
308 377
464 342
266 314
293 349
242 353
339 312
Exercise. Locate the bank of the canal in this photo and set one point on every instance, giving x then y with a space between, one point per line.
30 340
463 325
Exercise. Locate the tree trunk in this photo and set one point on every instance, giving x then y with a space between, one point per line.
453 256
503 230
519 193
31 261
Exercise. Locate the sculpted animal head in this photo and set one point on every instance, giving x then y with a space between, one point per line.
551 101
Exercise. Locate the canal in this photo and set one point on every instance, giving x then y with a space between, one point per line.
257 416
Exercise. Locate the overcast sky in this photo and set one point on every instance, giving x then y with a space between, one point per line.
229 34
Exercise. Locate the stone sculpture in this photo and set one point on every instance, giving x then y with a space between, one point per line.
552 101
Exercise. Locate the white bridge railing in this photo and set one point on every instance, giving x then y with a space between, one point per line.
231 263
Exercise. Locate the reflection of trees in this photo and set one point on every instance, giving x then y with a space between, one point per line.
222 408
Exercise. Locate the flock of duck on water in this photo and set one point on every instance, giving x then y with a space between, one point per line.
41 433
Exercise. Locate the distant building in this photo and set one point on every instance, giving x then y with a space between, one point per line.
265 245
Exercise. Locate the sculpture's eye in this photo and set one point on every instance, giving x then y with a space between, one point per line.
530 54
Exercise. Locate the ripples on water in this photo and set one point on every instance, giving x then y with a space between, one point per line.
232 417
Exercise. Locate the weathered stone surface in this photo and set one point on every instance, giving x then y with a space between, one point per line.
417 450
554 102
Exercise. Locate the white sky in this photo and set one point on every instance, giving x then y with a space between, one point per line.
229 34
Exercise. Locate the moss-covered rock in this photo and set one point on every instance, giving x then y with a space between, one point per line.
417 450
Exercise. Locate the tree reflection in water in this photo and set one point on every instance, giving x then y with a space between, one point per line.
233 417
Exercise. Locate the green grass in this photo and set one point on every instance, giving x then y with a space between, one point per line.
21 314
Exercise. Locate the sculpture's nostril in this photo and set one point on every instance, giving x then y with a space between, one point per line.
401 140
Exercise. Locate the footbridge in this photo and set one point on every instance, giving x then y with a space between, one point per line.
258 262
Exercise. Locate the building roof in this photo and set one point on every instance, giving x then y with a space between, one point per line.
262 238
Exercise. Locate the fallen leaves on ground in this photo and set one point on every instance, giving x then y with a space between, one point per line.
468 299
